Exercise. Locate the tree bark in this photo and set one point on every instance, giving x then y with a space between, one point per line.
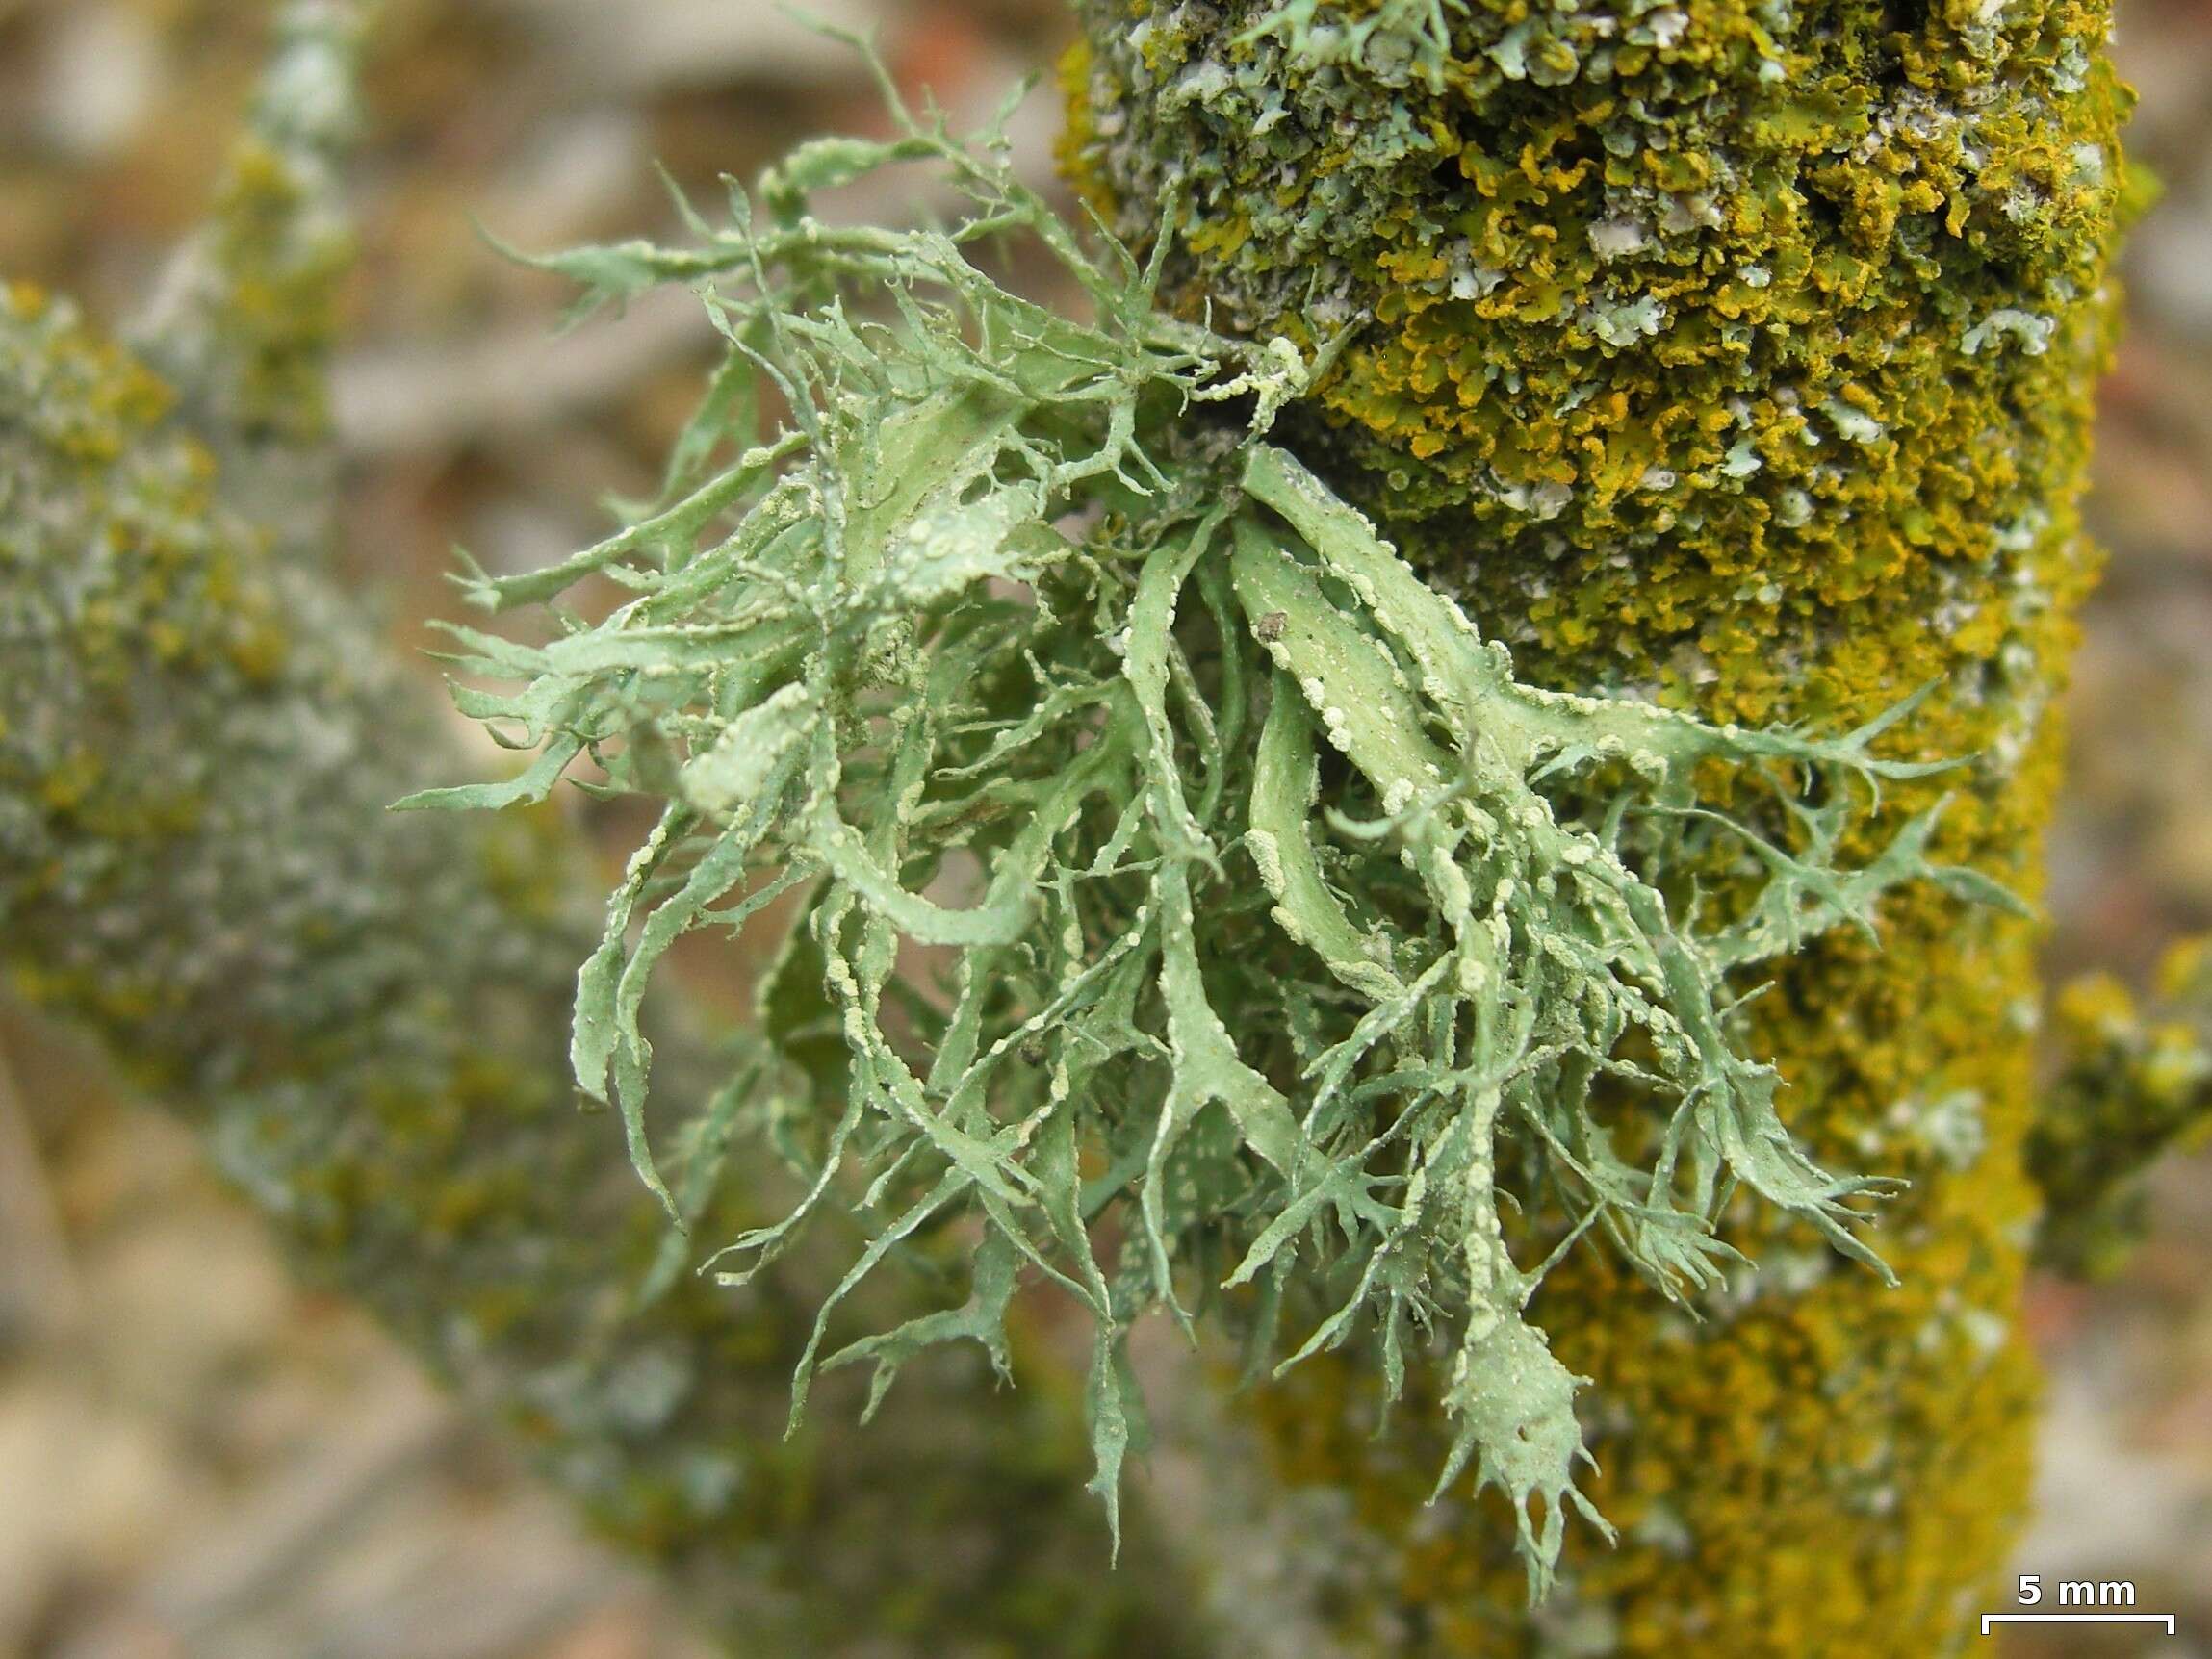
1739 356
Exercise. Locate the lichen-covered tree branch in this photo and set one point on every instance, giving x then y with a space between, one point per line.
1740 357
365 1017
1437 786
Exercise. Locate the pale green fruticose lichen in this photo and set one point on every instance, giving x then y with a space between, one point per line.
1282 939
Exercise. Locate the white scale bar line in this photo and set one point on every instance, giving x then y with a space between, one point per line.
2165 1618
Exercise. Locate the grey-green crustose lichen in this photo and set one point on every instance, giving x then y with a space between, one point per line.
245 318
1007 647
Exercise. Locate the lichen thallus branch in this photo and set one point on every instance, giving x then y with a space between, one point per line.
1017 645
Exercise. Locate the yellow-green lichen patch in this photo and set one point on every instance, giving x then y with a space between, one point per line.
277 269
1657 304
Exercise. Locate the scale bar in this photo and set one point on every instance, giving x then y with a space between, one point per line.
2165 1618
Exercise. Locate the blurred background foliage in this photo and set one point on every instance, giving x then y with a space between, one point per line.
197 1458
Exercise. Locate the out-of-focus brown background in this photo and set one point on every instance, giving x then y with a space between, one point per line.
198 1458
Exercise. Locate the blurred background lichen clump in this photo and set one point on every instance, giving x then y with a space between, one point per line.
225 1463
